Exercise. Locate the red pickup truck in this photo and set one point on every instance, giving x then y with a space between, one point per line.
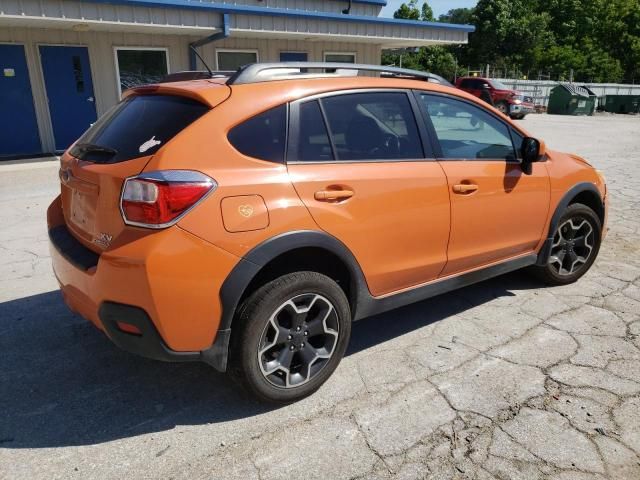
508 101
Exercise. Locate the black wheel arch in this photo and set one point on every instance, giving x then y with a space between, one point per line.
247 274
585 193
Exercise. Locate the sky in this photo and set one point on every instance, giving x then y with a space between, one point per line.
439 6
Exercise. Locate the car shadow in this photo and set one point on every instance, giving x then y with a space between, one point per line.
63 383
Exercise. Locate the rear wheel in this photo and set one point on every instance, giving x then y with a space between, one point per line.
576 243
291 335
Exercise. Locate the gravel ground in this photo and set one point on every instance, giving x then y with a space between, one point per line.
503 379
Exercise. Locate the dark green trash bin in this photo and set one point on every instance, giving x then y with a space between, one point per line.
571 99
622 103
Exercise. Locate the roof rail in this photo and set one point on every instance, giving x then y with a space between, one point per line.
268 72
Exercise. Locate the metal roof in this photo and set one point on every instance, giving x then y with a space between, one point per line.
382 3
284 12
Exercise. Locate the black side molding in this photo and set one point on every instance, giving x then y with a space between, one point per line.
373 306
364 305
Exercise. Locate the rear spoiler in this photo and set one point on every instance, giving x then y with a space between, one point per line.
194 75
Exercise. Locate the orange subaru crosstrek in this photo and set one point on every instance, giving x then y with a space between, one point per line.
246 221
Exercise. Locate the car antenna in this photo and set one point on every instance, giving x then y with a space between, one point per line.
193 49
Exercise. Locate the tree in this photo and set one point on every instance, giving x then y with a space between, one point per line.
457 15
435 59
599 40
427 13
408 11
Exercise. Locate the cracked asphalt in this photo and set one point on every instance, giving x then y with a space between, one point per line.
502 380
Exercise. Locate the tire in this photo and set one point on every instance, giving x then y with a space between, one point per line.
503 107
289 336
561 267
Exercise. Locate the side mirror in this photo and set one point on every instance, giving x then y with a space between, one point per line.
532 149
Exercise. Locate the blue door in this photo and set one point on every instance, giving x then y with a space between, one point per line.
67 78
293 56
18 126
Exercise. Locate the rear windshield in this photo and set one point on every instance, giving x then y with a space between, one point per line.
138 126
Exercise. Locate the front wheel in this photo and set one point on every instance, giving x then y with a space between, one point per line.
290 335
575 246
503 107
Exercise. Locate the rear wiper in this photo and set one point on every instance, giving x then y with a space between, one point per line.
82 150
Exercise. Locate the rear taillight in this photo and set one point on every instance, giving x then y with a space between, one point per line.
159 199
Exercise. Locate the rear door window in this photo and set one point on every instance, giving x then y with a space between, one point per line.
138 126
372 126
313 139
262 136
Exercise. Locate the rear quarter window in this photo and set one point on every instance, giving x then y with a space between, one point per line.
138 126
262 136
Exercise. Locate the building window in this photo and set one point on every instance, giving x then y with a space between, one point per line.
340 57
140 66
232 60
293 56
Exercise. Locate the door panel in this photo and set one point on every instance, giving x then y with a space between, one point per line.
365 182
497 211
503 218
18 125
67 78
396 223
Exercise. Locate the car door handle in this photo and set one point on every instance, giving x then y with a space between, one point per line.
332 195
465 188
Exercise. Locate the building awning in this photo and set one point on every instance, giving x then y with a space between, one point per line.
194 17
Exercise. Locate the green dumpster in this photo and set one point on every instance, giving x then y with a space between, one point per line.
622 103
571 99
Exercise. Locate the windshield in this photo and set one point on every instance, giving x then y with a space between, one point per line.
499 85
138 126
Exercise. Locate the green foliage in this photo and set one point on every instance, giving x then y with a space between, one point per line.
599 40
437 59
410 11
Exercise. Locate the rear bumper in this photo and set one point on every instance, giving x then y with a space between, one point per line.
166 283
148 343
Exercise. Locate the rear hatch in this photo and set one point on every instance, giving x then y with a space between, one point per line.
119 145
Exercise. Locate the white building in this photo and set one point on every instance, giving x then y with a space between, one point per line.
65 62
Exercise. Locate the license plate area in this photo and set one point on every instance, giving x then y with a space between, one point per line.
83 211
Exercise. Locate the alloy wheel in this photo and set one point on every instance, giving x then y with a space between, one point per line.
298 340
572 246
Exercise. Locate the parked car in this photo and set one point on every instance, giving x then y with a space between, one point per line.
245 222
508 101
